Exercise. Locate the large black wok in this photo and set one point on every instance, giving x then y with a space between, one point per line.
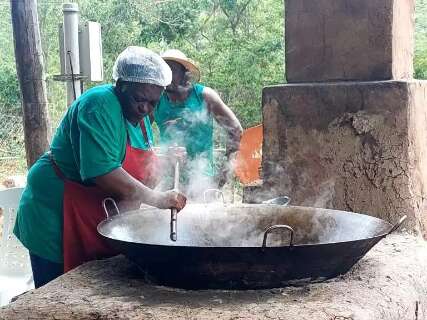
229 248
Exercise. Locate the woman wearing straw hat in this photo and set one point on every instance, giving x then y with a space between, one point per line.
185 116
101 149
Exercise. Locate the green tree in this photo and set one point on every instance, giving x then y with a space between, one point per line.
238 44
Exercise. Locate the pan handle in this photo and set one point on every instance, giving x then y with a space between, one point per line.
104 205
398 224
281 201
278 226
217 191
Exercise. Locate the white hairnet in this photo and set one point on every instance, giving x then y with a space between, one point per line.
138 64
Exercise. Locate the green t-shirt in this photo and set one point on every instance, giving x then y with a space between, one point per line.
137 139
90 141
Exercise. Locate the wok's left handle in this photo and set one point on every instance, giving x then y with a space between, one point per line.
275 227
104 205
398 224
216 191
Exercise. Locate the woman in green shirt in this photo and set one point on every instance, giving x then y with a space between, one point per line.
85 164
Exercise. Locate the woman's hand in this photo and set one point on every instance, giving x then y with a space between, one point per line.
171 199
172 122
226 171
175 153
129 192
169 157
224 175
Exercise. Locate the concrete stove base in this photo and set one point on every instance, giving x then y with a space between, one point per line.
389 283
354 146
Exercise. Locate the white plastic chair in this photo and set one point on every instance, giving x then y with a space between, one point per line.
15 267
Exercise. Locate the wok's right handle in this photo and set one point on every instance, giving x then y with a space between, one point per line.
398 224
275 227
104 205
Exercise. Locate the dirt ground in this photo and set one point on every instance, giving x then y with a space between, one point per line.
389 283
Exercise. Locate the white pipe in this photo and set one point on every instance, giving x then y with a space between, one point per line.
71 45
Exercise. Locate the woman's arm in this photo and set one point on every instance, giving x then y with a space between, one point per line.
131 193
227 120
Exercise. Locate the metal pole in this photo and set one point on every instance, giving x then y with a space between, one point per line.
174 213
71 49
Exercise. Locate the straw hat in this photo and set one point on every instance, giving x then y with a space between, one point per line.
178 56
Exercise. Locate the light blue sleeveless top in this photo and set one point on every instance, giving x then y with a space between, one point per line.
193 128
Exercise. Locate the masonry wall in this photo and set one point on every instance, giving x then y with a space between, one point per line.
354 146
342 40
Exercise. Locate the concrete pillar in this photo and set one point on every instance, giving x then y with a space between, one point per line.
349 131
340 40
356 146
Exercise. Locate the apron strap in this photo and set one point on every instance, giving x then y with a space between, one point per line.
145 133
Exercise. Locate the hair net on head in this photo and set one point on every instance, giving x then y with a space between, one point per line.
138 64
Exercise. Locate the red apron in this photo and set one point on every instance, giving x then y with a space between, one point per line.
83 210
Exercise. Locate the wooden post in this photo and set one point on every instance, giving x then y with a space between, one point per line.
30 69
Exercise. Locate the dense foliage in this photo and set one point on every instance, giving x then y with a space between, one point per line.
239 45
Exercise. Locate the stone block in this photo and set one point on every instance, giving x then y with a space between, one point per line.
347 40
359 147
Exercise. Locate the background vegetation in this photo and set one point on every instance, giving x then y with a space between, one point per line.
238 44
